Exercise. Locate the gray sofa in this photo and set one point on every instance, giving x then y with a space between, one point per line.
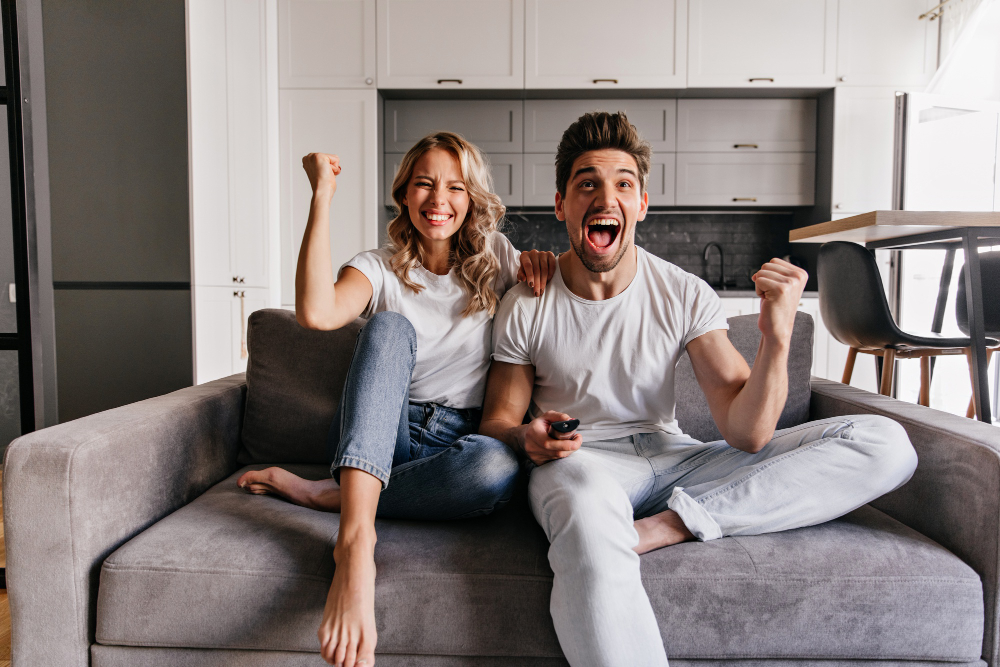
128 542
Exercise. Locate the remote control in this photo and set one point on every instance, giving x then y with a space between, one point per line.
560 430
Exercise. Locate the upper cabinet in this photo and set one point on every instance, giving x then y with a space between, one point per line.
746 126
326 43
570 44
451 44
492 125
546 120
864 124
762 43
882 42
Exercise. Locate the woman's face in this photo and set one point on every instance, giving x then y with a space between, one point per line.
436 196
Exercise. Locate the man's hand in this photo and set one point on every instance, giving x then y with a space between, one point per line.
539 447
537 268
779 285
322 170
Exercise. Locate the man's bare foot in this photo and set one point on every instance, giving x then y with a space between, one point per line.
323 495
347 635
661 530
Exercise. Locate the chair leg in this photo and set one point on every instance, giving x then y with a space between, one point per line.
888 366
925 381
852 356
971 411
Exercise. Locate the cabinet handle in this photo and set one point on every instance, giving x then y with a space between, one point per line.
762 78
236 279
605 80
744 145
744 199
440 81
369 81
836 205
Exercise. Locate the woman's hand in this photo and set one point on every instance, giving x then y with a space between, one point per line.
537 269
322 170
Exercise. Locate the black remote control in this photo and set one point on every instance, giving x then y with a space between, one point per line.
558 429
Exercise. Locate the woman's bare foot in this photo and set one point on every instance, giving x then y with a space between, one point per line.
347 635
661 530
323 495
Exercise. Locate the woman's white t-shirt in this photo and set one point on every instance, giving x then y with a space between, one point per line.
453 352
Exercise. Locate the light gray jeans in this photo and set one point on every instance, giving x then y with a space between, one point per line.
587 502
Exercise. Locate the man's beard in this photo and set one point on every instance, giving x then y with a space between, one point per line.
604 265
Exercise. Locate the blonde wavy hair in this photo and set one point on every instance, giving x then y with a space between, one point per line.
472 256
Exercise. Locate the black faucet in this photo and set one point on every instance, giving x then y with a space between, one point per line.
722 265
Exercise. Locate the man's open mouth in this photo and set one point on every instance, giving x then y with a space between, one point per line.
602 232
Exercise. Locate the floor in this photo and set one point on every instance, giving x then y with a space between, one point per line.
4 607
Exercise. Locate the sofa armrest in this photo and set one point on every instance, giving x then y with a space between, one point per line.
954 495
75 492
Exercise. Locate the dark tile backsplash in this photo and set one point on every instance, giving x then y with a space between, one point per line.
748 239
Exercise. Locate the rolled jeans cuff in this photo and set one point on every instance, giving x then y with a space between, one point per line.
361 464
695 517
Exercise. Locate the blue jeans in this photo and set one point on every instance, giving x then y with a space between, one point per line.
588 501
429 458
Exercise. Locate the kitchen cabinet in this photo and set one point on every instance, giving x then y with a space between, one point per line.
746 126
228 158
221 329
344 123
540 179
863 141
762 43
505 168
564 38
882 43
450 44
326 44
546 120
735 306
738 179
495 126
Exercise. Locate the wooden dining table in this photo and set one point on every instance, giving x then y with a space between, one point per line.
948 230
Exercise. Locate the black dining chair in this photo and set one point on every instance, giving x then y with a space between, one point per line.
989 269
854 309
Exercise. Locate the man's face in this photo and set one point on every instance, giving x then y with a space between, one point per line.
603 202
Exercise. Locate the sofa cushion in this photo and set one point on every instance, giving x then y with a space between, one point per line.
294 380
233 570
693 414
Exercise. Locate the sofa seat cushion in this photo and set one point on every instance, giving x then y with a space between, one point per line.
233 570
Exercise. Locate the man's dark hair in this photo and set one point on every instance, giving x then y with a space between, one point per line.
594 131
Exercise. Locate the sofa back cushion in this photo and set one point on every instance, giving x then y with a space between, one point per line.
295 377
294 380
693 414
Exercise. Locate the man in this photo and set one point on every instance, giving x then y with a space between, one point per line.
601 345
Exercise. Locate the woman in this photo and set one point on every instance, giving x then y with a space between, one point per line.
423 355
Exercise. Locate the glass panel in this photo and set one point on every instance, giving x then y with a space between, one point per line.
10 403
8 319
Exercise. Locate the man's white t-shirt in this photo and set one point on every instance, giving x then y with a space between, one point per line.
608 363
453 352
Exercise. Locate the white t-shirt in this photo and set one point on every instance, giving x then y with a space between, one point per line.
608 363
453 352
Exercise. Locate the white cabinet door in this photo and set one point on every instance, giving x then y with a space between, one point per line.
565 44
220 329
863 127
228 159
746 126
326 43
495 126
451 44
881 43
762 43
546 120
737 179
344 123
738 305
821 338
